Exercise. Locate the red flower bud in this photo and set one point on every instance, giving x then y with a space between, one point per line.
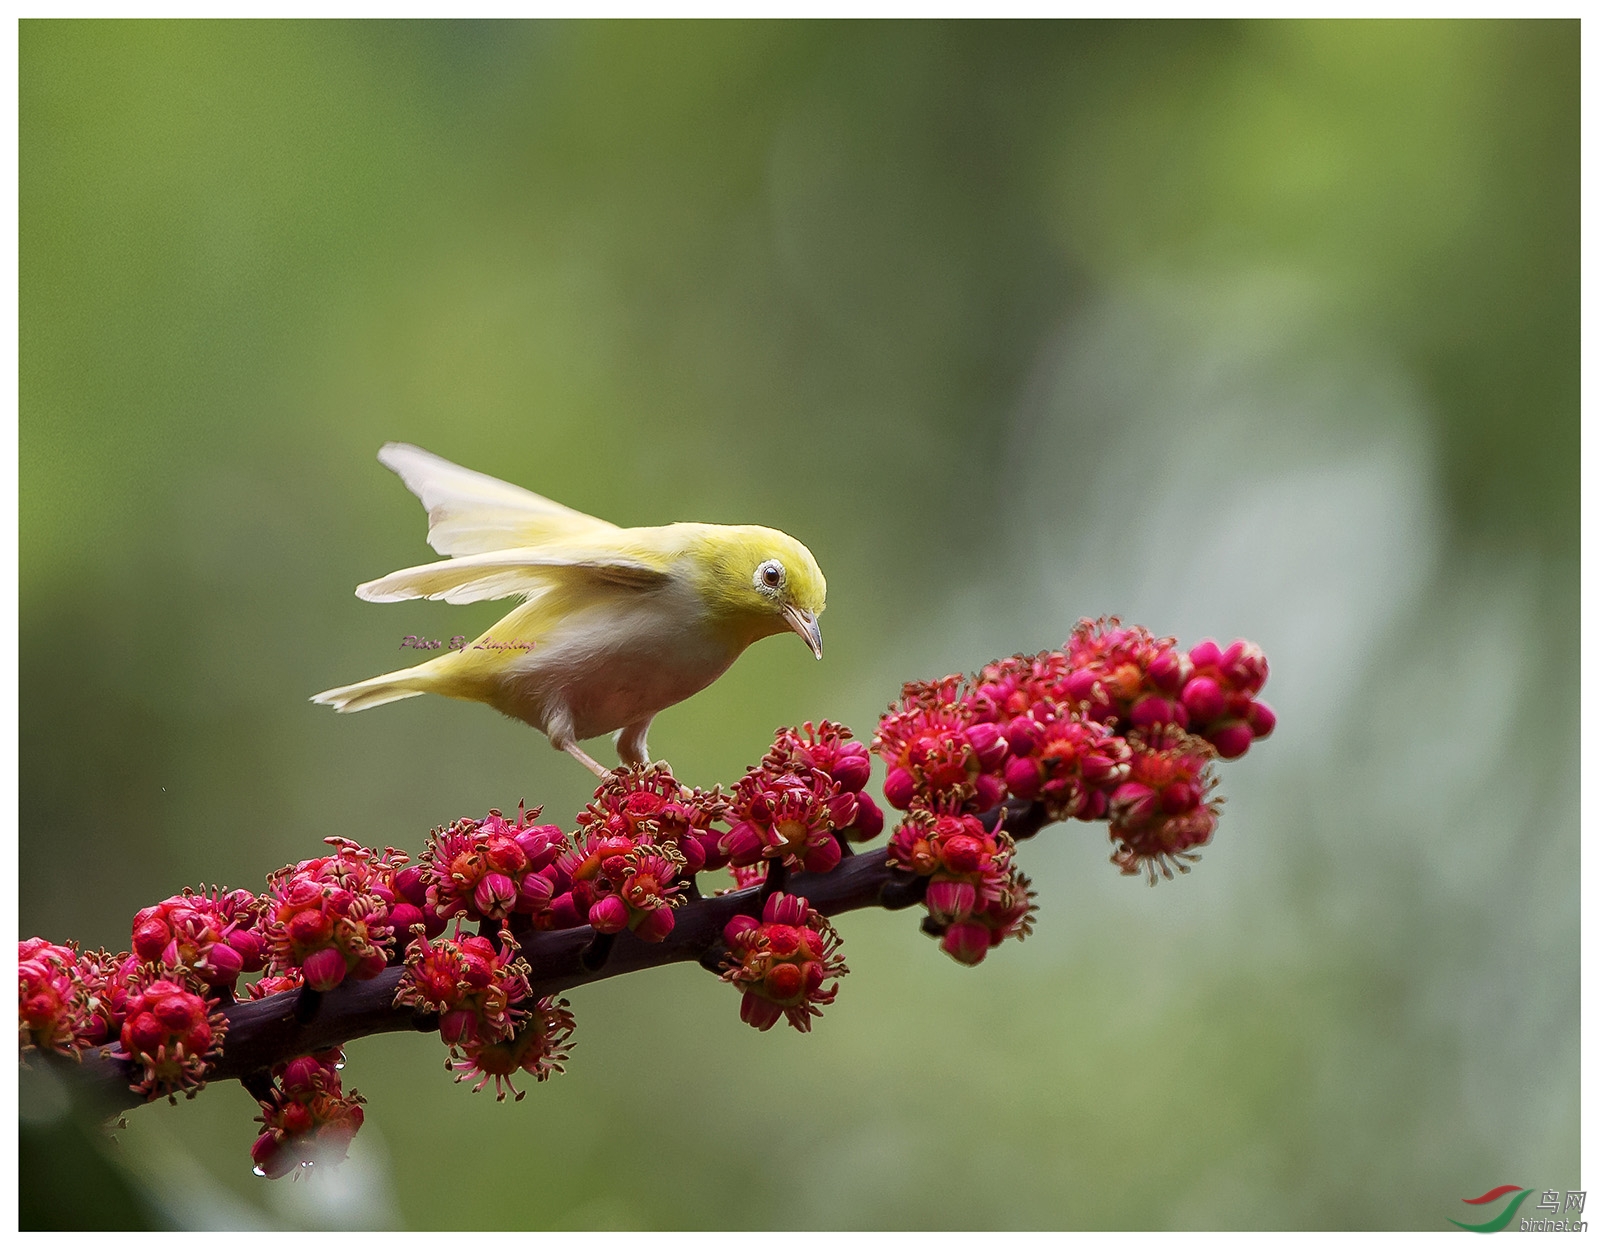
1179 797
564 912
323 969
656 924
1203 698
758 1011
402 917
742 844
534 892
1023 778
502 855
1133 803
822 856
1081 685
1023 736
1157 710
900 787
786 982
964 853
143 1032
225 964
272 1158
301 1074
1168 671
251 950
411 886
852 771
1262 720
949 899
786 910
310 927
458 1026
967 941
149 936
609 915
1231 739
1244 666
494 895
369 965
987 791
869 818
733 932
541 844
987 743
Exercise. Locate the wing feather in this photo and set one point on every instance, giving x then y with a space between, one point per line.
471 513
518 571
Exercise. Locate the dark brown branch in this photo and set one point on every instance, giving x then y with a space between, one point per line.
265 1032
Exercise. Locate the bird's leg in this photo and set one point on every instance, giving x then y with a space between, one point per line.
561 731
588 762
630 744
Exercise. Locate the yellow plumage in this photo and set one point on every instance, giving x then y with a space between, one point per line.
616 624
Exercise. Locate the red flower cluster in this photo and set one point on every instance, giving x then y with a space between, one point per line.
169 1031
329 917
106 980
939 754
52 1002
489 869
627 866
1126 676
308 1119
830 749
975 897
1220 696
1164 808
1066 763
649 805
803 798
69 1000
211 935
473 986
968 940
538 1046
1018 685
781 962
1087 732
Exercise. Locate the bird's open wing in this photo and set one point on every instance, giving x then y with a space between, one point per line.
518 571
471 513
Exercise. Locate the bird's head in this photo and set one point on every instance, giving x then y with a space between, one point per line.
766 581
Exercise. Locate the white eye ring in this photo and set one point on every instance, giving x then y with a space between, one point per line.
769 576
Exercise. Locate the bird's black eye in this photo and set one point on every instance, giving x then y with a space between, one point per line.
769 575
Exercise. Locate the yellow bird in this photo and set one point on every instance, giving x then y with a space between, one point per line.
615 625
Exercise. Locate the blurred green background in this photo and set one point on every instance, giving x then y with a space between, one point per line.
1232 329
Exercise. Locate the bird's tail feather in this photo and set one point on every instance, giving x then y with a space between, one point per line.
383 689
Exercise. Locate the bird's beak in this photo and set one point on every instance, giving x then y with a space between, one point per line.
805 625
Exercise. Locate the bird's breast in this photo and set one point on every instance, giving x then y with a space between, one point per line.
615 663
